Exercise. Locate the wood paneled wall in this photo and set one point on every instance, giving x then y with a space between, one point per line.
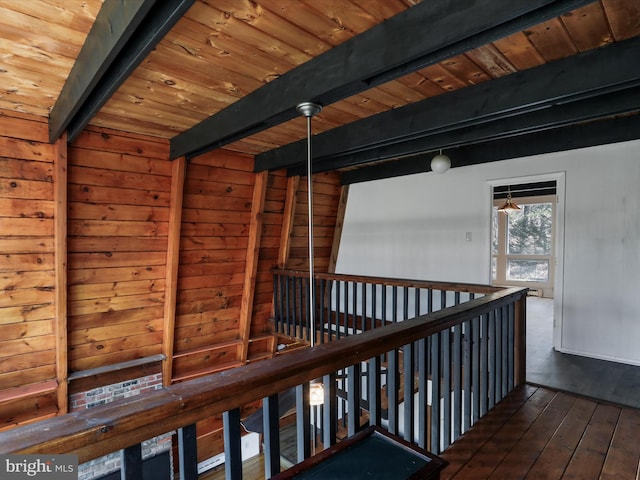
119 198
87 235
27 277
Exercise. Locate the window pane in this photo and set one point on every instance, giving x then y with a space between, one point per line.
528 270
494 268
529 230
494 232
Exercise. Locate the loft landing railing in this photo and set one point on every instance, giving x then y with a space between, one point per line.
428 379
348 304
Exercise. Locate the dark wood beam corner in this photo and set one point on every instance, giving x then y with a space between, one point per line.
124 33
114 25
380 54
588 134
561 85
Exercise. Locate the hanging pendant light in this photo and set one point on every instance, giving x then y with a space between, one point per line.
509 205
440 163
309 109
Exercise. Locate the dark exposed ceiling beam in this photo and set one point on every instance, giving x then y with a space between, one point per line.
123 34
556 116
590 74
420 36
590 134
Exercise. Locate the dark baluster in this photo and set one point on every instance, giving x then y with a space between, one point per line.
294 309
303 422
423 391
511 327
484 364
188 452
466 374
374 305
345 318
271 428
498 359
504 335
337 314
492 360
277 305
321 309
475 368
330 410
407 357
131 462
394 304
446 386
374 393
354 396
288 304
232 444
435 393
393 385
384 304
354 308
429 300
364 306
457 379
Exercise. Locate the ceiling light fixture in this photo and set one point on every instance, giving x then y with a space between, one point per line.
440 163
309 109
509 205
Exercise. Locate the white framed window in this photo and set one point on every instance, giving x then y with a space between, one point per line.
522 246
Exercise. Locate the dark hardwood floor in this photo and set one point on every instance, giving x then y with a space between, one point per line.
608 381
538 433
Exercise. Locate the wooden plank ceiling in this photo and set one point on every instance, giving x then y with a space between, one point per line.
222 50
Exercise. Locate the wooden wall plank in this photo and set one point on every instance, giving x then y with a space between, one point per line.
32 189
119 213
173 257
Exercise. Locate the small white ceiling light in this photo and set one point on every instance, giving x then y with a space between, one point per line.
440 163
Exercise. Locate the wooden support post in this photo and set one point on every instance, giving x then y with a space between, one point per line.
60 241
287 221
173 259
251 263
520 341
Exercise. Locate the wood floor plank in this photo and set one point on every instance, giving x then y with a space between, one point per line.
492 453
588 459
555 457
521 458
466 446
623 458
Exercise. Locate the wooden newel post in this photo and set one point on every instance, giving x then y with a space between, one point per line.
520 339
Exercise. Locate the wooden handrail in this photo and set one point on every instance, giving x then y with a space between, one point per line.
107 428
399 282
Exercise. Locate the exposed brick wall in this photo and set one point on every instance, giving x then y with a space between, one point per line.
99 396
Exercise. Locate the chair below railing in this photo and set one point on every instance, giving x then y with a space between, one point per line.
427 379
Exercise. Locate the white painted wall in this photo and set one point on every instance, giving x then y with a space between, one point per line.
415 227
